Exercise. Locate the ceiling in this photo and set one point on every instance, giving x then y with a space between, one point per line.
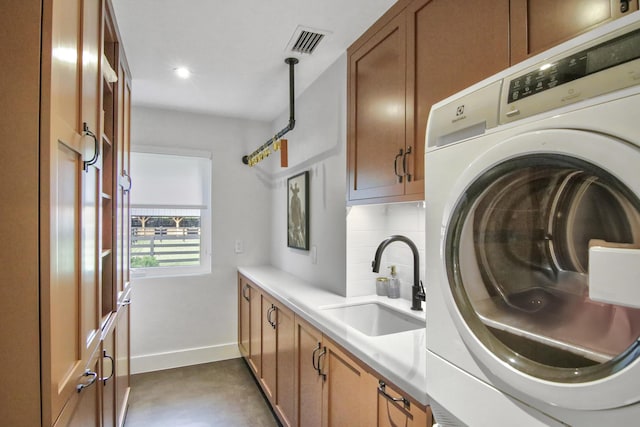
235 50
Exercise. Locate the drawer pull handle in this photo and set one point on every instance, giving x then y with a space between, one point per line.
382 388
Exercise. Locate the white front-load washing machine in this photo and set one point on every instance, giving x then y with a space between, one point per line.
533 240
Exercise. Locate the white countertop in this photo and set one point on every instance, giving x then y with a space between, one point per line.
399 357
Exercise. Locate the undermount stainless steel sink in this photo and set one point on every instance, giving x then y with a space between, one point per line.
374 319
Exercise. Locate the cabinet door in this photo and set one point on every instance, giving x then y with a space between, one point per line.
83 408
308 381
451 45
255 330
122 357
376 105
541 24
285 362
69 237
123 219
269 347
244 317
107 376
349 392
407 413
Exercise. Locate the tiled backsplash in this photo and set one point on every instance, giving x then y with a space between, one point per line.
369 225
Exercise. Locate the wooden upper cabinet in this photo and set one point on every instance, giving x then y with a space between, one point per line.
419 53
376 125
541 24
451 45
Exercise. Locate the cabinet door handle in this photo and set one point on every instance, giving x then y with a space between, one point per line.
624 6
113 367
404 164
129 182
275 310
244 295
382 389
269 315
93 377
313 359
395 165
269 312
322 353
96 151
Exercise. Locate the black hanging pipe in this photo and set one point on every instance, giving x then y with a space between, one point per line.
292 119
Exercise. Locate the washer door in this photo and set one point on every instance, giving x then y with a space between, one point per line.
517 261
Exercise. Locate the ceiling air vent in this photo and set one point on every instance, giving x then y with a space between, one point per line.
305 40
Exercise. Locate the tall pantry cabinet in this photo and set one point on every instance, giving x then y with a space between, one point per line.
64 183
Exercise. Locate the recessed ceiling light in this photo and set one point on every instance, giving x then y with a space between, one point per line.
182 72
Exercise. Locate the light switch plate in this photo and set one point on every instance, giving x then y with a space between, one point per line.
239 246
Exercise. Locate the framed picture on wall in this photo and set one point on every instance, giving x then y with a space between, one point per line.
298 211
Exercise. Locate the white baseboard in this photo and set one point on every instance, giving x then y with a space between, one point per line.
186 357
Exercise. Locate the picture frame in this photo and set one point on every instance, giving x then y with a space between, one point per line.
298 211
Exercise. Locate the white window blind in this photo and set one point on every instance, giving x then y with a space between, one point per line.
170 181
170 212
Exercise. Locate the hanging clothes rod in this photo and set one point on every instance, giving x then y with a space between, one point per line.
255 156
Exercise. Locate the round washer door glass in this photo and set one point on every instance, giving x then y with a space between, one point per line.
518 253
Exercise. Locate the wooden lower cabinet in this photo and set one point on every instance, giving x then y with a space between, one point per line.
406 412
349 390
115 373
255 330
244 317
266 341
285 356
122 359
268 373
83 408
277 358
310 380
107 374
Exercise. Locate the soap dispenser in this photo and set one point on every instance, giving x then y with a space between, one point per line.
394 284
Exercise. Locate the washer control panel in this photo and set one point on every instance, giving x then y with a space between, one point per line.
603 65
586 62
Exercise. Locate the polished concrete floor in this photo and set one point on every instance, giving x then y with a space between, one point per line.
210 395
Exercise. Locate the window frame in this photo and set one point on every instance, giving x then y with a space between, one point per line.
206 234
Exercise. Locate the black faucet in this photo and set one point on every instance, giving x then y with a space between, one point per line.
417 290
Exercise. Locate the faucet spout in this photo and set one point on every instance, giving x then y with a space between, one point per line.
417 290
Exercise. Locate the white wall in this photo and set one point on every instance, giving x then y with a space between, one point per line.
316 144
179 321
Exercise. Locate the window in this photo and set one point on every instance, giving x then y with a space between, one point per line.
170 212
